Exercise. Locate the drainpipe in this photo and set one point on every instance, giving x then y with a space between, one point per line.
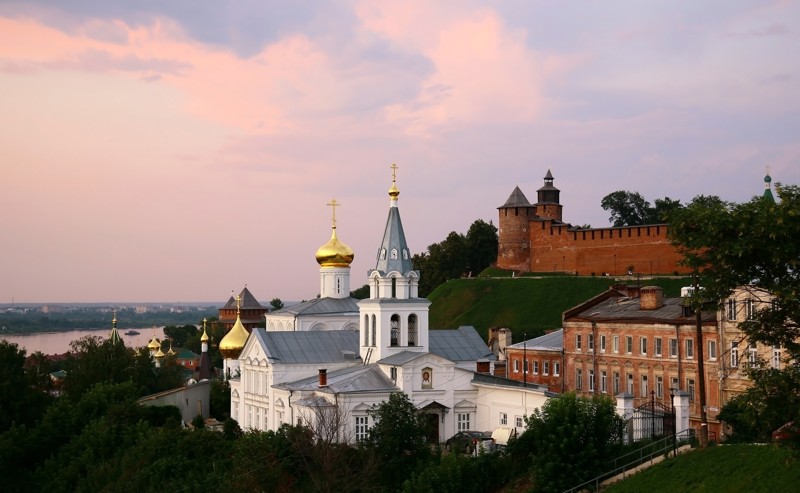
291 409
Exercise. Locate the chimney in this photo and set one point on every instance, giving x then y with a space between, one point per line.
651 298
323 377
483 366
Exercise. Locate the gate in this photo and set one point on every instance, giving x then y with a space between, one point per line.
651 420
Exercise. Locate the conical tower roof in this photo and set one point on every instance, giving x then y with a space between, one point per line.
394 254
516 199
115 338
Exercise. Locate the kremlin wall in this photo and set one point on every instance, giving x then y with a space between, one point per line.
534 238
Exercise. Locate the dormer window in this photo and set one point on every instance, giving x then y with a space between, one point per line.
405 254
394 254
383 254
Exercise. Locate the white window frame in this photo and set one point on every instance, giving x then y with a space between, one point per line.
590 342
556 368
615 344
712 350
776 357
577 342
516 366
519 422
603 381
462 421
591 380
578 379
659 386
752 353
690 387
643 388
536 367
362 427
545 367
673 348
615 382
658 346
503 419
643 345
734 354
628 344
749 309
689 348
730 312
602 343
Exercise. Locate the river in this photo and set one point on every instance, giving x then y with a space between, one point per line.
58 342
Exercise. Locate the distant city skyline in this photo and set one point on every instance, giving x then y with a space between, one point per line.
182 150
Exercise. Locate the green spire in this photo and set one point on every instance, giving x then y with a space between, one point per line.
768 187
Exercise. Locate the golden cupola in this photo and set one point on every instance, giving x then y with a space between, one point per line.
204 337
232 344
334 253
154 344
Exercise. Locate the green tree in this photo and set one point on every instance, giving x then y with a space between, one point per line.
276 303
481 243
631 208
23 391
180 334
360 293
398 440
569 440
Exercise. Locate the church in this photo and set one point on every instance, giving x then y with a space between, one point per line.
327 362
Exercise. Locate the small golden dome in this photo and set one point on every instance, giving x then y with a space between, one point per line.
204 337
232 344
159 354
154 344
394 191
334 253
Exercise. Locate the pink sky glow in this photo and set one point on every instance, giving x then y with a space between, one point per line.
175 151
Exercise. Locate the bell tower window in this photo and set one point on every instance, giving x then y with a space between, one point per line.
412 329
395 330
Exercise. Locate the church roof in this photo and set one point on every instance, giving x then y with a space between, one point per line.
322 306
516 199
248 300
359 378
324 346
394 240
461 344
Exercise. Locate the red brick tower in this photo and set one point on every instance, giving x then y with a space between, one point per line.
547 205
513 251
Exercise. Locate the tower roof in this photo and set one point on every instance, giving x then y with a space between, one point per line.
115 338
394 254
247 300
548 182
516 199
768 187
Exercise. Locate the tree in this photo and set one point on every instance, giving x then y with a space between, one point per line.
481 243
631 209
360 293
23 397
179 335
569 440
276 304
753 245
398 439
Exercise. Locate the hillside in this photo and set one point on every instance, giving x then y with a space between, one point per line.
726 468
527 305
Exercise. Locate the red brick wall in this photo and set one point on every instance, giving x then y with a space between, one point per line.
603 250
550 378
513 251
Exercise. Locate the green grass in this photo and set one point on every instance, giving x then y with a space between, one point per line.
725 468
527 305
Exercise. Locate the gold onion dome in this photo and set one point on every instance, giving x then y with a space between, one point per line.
154 344
159 354
204 337
232 344
394 191
334 253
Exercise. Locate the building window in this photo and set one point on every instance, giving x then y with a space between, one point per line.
525 366
643 345
690 388
752 353
578 379
749 309
395 330
463 421
776 357
536 367
615 382
689 348
516 366
545 367
374 331
412 330
577 342
616 344
503 419
602 344
362 428
731 311
366 330
630 383
603 381
643 388
629 344
659 386
590 341
734 354
393 373
673 348
658 347
712 350
591 380
556 368
519 422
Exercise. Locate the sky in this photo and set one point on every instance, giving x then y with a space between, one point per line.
178 151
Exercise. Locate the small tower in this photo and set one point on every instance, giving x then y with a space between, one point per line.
334 259
204 368
547 200
513 249
114 336
393 318
768 187
232 344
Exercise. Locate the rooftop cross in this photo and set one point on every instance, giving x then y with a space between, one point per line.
334 205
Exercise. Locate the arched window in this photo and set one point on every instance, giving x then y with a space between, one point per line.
383 254
374 330
395 330
366 330
394 253
412 330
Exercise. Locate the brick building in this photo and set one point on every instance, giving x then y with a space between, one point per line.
538 361
252 312
534 238
635 341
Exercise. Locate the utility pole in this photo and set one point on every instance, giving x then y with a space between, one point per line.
701 374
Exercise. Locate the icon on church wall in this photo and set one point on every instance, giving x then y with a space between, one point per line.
427 378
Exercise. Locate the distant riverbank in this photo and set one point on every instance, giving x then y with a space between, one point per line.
57 342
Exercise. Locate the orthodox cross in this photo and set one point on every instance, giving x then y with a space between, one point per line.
334 205
394 172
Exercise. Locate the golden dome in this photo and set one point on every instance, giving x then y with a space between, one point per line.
154 344
334 253
159 354
232 344
394 191
204 337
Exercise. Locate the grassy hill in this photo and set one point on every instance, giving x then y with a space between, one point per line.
726 468
527 305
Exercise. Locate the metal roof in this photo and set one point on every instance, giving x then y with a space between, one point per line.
359 378
624 308
553 340
394 240
461 344
401 358
247 300
324 346
322 306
